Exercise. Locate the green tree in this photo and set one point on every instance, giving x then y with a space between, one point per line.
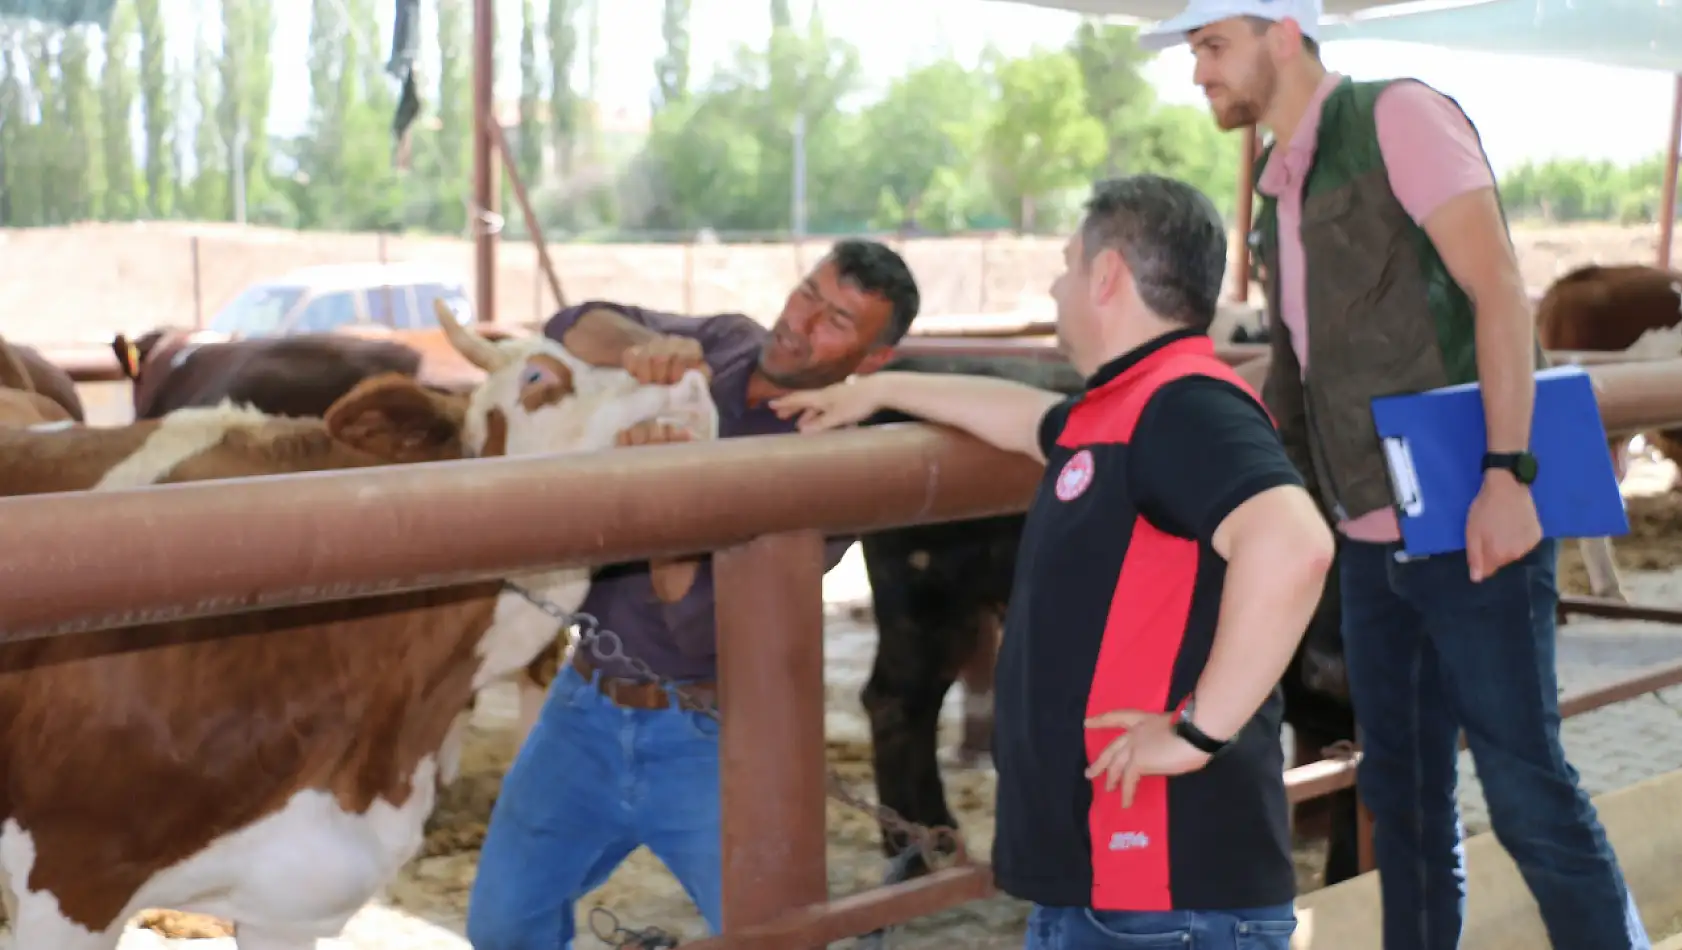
1041 139
210 174
529 152
1117 94
156 107
671 70
75 131
918 142
17 175
1184 142
563 100
124 199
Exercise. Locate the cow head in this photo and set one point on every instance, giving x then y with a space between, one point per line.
392 417
538 397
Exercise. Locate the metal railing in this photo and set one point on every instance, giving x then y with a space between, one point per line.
91 560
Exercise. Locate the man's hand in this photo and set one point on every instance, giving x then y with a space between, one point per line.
663 360
842 404
1148 747
651 433
1502 525
671 578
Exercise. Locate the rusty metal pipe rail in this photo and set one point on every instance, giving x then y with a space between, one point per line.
87 560
92 363
1326 776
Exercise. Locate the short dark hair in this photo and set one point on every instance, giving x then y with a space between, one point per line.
1310 45
1171 237
876 268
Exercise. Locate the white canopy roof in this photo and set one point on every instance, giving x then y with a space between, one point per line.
1151 10
1643 34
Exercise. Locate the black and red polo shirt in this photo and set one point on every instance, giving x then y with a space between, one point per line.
1116 593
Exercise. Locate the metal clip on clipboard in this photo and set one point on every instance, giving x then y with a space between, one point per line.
1404 480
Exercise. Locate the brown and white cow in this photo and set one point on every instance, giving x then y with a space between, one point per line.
1635 308
22 403
275 768
284 376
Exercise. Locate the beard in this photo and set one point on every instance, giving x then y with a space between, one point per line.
1244 104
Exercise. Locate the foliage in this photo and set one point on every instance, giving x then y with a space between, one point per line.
97 123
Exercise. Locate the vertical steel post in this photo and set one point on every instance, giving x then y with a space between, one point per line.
485 197
772 770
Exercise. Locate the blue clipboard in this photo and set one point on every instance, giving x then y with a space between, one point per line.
1434 443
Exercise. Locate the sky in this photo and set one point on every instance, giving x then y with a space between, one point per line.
1525 108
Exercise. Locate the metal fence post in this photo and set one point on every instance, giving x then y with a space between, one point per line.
771 698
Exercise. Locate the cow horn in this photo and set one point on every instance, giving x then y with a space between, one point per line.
477 350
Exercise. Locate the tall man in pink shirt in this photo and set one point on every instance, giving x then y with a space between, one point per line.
1390 270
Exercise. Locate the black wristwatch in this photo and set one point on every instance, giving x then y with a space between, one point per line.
1521 464
1199 739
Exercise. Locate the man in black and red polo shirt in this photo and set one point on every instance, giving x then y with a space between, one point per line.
1169 566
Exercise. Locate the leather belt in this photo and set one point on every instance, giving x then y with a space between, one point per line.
641 694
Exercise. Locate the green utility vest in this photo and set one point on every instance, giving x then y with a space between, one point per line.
1384 314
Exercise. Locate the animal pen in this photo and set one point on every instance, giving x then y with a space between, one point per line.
89 561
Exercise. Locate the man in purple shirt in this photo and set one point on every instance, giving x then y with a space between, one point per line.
612 762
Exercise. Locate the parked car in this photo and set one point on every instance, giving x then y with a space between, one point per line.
333 298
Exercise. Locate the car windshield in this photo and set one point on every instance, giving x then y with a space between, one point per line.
257 312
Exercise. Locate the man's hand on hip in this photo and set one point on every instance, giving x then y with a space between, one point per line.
663 360
1501 526
1148 747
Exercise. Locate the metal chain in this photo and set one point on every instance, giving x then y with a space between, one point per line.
939 846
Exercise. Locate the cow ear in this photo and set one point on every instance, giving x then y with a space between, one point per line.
128 355
393 417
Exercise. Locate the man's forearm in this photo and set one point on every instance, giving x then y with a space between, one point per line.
998 411
1506 371
601 336
1274 581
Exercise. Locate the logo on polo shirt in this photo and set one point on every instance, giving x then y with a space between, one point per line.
1075 476
1129 841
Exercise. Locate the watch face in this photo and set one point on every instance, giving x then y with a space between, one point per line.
1525 468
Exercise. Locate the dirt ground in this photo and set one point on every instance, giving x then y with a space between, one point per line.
89 281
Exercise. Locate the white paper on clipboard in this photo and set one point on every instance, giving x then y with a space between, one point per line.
1403 477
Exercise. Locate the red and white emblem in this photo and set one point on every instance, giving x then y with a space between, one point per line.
1075 476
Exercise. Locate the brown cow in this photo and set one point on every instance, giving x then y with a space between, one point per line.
1620 307
1636 308
284 376
275 768
22 403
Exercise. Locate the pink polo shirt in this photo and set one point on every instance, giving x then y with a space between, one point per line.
1431 155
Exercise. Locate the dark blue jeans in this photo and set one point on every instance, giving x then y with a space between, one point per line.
1081 928
1430 654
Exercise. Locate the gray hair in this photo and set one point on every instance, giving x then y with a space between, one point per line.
1170 235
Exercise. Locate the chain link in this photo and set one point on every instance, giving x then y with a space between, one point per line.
939 846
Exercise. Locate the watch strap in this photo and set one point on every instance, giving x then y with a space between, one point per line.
1202 741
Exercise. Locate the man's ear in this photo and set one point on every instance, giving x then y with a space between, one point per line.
394 417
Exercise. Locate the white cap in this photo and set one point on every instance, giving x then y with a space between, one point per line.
1201 13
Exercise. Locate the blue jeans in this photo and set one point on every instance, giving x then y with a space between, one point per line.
592 783
1081 928
1429 654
